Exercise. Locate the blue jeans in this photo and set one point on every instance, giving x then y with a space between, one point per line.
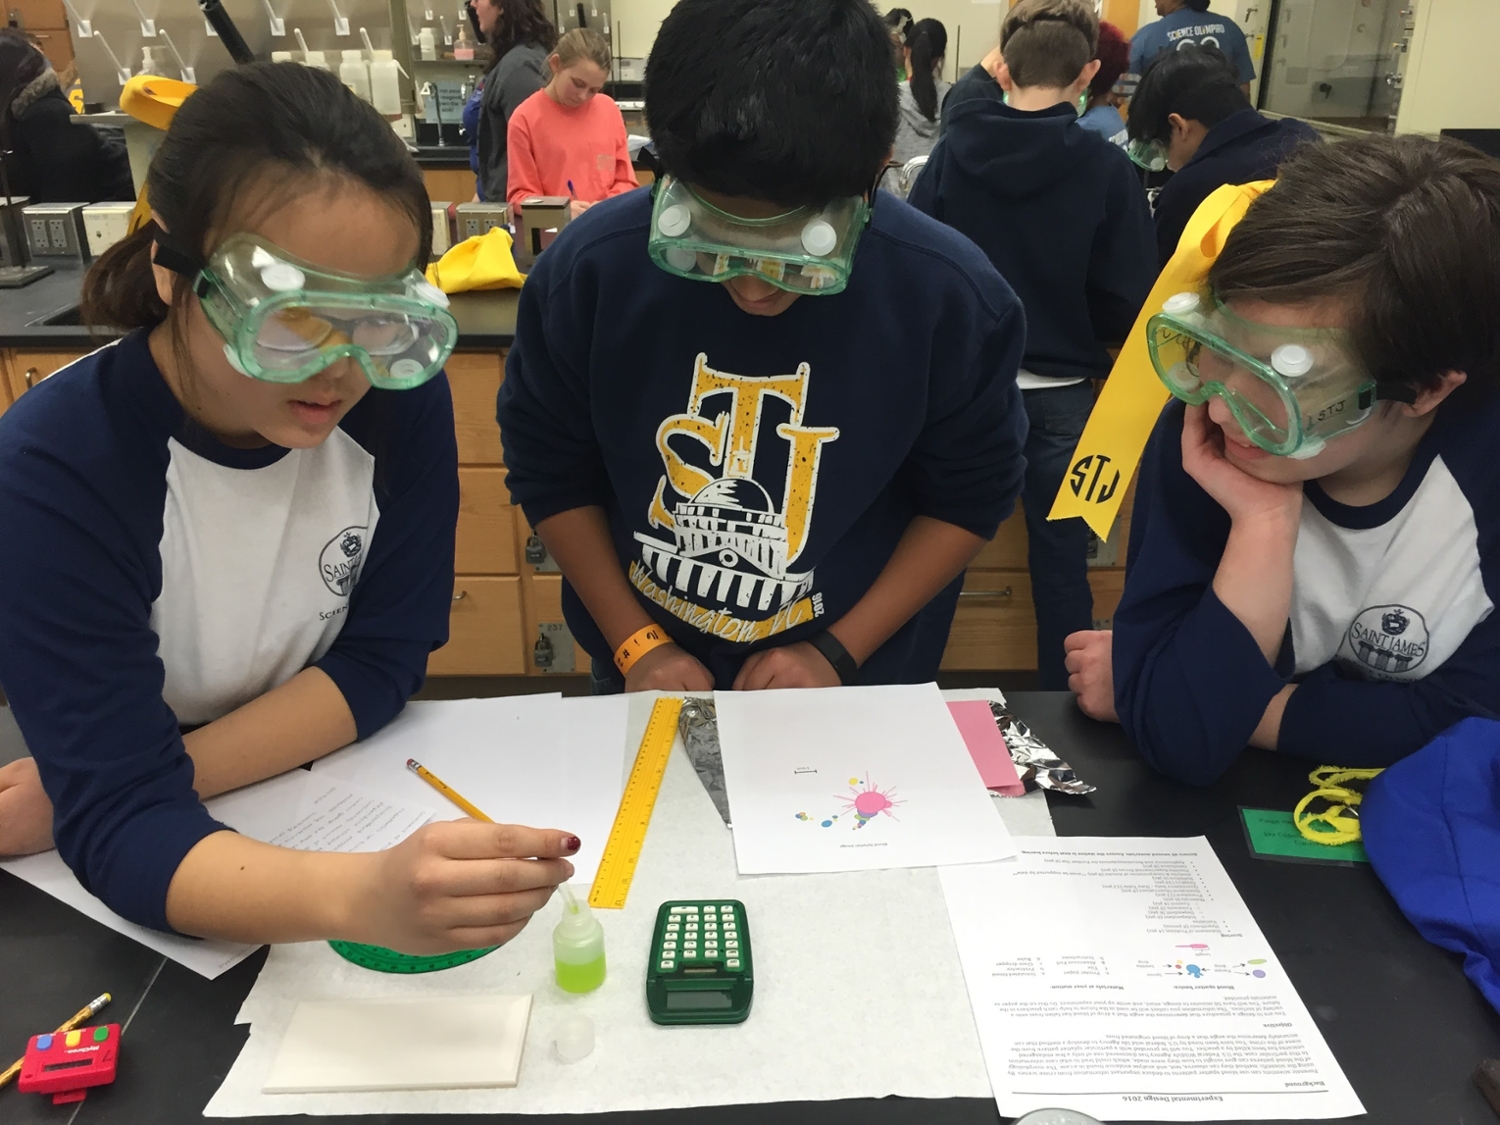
1057 552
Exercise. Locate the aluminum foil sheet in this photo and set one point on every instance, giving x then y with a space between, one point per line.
699 724
1038 766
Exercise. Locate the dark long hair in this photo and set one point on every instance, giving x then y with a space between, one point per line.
265 126
928 42
20 65
523 21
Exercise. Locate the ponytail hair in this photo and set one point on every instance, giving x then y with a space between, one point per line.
928 42
263 127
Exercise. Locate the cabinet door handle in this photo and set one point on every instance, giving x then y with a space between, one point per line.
460 595
1005 593
31 377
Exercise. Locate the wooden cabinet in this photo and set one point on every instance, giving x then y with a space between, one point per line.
486 527
484 629
25 369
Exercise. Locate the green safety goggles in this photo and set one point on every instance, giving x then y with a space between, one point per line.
283 320
1150 155
1290 389
809 250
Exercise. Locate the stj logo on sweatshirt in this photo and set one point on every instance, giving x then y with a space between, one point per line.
341 558
1389 640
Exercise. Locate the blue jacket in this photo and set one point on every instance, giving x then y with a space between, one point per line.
1241 149
1060 212
757 472
1431 826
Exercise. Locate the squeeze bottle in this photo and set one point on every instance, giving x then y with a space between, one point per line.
355 74
427 44
385 84
578 946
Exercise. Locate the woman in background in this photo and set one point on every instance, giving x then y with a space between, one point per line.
53 160
568 138
1101 112
522 37
923 92
899 20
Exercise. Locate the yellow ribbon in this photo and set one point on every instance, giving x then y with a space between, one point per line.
1123 417
1341 817
153 100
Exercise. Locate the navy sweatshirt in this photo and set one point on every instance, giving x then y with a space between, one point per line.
757 472
1241 149
1060 212
1393 636
153 578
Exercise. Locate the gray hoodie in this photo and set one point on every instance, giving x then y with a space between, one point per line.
915 135
521 72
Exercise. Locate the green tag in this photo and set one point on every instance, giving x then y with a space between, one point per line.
1272 834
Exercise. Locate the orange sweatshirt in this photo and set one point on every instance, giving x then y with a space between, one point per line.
550 144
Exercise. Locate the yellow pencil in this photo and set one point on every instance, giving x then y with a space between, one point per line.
442 787
81 1015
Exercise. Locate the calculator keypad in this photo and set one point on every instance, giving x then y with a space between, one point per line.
699 933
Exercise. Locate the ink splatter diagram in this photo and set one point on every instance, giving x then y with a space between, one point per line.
1196 965
865 802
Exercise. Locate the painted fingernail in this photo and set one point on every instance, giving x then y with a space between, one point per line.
572 844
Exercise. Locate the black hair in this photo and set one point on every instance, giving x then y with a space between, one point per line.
1405 231
21 64
251 127
928 42
899 20
1196 82
523 21
1196 5
789 101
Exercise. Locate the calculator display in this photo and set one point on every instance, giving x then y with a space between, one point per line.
697 1001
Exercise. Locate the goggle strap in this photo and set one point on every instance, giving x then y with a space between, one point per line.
1395 392
170 257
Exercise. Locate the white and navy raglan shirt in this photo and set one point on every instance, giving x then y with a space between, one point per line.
1392 636
153 578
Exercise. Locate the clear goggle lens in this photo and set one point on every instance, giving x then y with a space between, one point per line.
1150 155
1290 390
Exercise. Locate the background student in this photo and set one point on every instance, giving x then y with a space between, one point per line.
1189 115
266 561
1060 212
1187 22
922 93
735 435
1102 110
522 37
568 138
1315 557
53 158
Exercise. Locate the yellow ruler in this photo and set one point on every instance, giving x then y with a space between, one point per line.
628 836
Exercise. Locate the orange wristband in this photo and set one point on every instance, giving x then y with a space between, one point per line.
637 645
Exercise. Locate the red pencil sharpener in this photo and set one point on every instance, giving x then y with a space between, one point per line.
66 1063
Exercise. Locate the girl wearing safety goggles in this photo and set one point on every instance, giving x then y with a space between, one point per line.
238 521
1316 547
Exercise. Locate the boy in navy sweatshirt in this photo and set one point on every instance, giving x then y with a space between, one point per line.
1315 558
1061 214
757 465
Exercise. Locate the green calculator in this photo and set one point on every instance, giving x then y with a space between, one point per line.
700 967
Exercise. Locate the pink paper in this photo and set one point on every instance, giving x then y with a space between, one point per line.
987 746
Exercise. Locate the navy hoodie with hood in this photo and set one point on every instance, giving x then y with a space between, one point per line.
1060 212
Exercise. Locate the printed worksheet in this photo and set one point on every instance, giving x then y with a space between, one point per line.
1126 978
852 779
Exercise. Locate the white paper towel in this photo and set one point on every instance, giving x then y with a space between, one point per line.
858 992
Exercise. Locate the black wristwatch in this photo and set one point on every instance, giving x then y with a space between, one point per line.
837 655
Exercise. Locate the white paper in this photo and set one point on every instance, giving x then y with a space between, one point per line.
535 760
839 1011
1126 978
852 779
292 810
427 1044
335 816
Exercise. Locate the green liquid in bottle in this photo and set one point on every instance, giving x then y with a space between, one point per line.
580 978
